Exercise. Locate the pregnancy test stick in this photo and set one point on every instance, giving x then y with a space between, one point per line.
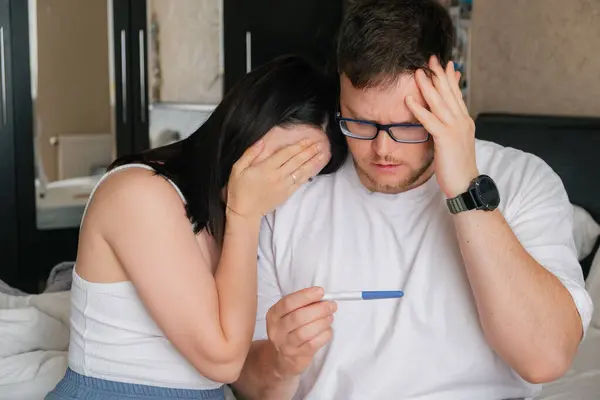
368 295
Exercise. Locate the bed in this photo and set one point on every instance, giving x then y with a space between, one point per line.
571 146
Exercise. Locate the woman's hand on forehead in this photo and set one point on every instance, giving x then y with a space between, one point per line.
278 137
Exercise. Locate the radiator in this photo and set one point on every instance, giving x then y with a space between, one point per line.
83 154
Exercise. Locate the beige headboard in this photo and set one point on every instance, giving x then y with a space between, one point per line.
535 57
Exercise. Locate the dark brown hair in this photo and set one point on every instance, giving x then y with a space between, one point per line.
380 40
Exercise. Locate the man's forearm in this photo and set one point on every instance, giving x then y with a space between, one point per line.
527 315
259 379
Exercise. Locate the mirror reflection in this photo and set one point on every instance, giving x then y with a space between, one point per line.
73 104
77 65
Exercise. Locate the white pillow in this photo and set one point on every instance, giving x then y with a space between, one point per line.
585 231
592 285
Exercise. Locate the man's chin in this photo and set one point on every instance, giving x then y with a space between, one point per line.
389 188
387 184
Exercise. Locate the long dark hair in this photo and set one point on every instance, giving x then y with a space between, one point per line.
287 91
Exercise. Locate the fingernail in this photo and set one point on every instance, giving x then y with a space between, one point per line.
321 156
409 99
332 306
315 289
319 146
451 64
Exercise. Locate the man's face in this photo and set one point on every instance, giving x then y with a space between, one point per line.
382 164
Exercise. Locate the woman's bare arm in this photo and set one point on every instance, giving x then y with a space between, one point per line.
209 319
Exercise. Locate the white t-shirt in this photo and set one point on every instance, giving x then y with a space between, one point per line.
428 345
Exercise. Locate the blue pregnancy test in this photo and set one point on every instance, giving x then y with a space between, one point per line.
365 295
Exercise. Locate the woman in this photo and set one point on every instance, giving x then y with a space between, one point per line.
164 290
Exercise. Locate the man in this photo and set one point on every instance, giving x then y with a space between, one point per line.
476 235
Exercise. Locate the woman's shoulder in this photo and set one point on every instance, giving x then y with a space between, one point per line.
123 194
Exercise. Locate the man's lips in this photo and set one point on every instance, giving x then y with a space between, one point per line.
386 167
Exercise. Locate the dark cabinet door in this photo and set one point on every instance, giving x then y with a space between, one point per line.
8 207
260 30
28 239
139 76
282 27
131 76
123 66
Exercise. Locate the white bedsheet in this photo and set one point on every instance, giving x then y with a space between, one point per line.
34 338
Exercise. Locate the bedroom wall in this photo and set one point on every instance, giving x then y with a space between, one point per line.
535 56
185 65
188 35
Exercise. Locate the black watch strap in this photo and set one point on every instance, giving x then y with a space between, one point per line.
456 205
462 202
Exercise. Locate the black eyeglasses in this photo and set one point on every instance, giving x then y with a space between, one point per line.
367 130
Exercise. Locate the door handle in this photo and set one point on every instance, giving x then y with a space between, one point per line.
248 51
124 76
3 77
142 76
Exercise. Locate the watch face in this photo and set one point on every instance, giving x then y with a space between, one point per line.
488 192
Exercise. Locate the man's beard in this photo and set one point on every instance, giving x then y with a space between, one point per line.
416 178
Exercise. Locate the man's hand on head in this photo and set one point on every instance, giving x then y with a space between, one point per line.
449 123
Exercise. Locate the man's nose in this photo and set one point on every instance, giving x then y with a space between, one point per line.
383 144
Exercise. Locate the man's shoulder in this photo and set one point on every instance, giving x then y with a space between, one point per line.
495 159
521 177
487 150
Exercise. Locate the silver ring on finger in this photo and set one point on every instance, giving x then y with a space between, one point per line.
293 177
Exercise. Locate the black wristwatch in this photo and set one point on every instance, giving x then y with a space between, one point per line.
481 195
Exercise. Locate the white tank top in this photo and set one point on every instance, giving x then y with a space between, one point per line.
114 338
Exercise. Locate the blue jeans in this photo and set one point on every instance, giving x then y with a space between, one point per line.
79 387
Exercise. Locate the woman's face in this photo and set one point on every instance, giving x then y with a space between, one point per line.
278 138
